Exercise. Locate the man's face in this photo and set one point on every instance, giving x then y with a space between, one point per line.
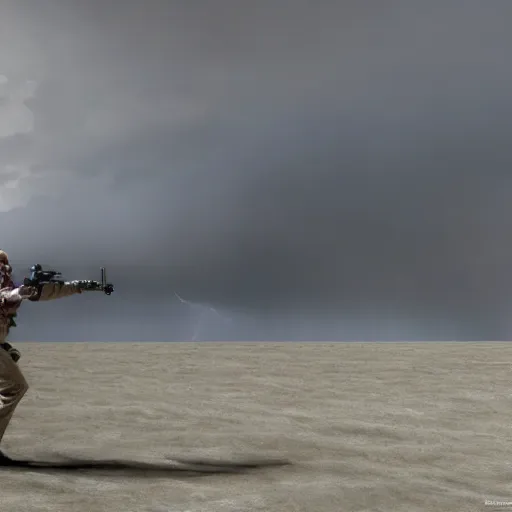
5 272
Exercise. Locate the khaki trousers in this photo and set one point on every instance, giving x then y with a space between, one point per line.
13 387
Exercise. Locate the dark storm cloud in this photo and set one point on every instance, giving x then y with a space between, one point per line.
316 170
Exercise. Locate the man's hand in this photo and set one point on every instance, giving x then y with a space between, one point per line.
27 292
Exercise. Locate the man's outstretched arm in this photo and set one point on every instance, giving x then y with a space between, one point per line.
47 291
56 290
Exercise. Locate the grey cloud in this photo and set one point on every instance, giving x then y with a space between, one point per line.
327 170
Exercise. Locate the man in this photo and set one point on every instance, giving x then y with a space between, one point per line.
13 385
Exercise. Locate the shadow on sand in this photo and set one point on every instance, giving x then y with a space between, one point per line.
172 467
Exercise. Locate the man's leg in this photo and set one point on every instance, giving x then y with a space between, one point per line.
13 387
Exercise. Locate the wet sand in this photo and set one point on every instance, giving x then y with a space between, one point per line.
365 427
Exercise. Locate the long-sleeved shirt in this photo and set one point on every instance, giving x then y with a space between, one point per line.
12 298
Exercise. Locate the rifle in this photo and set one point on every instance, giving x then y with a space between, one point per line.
38 277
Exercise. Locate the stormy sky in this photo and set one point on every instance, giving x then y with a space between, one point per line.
310 170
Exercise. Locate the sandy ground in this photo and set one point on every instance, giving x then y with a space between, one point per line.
380 427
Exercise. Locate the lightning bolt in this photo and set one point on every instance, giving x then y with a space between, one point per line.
202 310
